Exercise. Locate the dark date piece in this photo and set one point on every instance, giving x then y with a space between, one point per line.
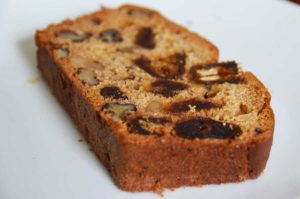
146 126
215 73
167 88
205 128
184 106
112 92
171 67
145 38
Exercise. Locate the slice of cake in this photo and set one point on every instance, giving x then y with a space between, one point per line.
154 103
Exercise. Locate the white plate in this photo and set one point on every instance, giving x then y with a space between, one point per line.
40 156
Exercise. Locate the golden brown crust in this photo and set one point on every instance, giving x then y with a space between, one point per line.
149 163
259 149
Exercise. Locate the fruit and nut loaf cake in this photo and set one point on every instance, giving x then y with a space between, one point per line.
153 101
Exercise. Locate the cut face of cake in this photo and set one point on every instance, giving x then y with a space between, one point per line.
155 104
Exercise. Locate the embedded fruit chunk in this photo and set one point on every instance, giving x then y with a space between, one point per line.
73 36
244 109
112 92
110 35
191 105
145 38
62 52
167 88
147 126
119 112
203 128
258 131
140 126
145 64
87 76
170 67
215 73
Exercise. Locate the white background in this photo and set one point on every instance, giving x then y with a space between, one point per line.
40 156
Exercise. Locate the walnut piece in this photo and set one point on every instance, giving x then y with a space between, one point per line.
74 36
87 76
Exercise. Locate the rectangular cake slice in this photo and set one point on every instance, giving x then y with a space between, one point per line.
154 103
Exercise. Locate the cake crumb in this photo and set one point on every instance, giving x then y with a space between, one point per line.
32 81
